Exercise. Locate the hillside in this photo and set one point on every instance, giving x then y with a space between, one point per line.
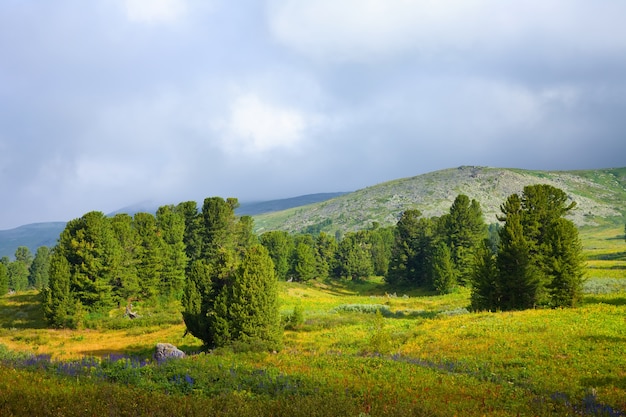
31 235
599 195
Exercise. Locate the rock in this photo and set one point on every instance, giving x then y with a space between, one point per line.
165 351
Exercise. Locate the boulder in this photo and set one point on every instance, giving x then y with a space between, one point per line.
165 351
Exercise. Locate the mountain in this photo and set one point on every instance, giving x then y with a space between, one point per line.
46 234
599 194
31 235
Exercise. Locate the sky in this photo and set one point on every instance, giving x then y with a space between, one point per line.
109 103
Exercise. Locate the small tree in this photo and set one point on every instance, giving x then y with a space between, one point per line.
4 279
253 312
443 271
485 284
38 271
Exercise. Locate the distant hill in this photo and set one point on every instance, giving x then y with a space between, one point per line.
31 235
253 209
46 234
600 196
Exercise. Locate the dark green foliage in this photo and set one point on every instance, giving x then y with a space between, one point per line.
539 259
59 304
409 259
518 276
253 306
280 247
231 293
126 280
485 284
217 225
565 264
23 255
18 276
192 237
354 256
171 226
4 279
463 230
325 255
197 296
381 240
38 271
304 265
150 255
443 272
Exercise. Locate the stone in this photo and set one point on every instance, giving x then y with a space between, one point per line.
165 351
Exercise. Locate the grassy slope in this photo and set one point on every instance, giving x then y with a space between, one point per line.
436 359
598 193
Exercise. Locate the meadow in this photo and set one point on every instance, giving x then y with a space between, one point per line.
350 349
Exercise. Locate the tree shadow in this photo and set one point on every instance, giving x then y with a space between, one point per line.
22 311
618 301
604 381
615 256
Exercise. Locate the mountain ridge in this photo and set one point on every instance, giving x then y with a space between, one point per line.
599 194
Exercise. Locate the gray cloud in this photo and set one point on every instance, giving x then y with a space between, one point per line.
107 103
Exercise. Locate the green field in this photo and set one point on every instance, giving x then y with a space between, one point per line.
362 350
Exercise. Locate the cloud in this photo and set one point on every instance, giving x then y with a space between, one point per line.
255 125
155 11
368 30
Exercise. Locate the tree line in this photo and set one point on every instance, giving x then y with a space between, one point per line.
226 277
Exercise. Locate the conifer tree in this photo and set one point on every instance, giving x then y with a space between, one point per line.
253 307
280 247
304 267
38 271
4 279
565 264
150 255
411 250
485 284
171 227
518 277
443 271
126 279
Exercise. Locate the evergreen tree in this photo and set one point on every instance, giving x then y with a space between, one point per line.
59 305
171 227
218 225
565 264
93 255
126 280
304 266
443 271
485 284
519 278
464 230
409 262
38 271
280 247
253 308
192 237
18 276
4 279
150 255
381 241
354 257
325 255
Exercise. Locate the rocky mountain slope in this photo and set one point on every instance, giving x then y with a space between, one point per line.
599 194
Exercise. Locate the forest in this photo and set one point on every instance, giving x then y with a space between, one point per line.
227 284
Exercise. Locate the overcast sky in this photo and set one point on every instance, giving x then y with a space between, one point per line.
107 103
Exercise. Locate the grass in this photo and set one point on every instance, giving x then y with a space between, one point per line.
421 355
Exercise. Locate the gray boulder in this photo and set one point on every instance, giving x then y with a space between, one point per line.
165 351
